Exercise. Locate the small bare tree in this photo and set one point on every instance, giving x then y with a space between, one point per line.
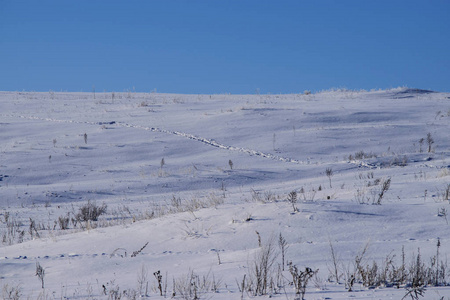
335 262
384 188
420 144
261 269
162 163
292 198
158 277
282 243
329 173
40 273
430 141
142 279
301 278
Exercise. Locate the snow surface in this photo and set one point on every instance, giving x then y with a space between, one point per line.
276 143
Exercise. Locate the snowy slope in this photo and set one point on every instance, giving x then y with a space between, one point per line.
201 178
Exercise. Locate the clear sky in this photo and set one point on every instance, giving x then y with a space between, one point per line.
211 46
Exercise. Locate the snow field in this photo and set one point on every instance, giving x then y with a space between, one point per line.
277 144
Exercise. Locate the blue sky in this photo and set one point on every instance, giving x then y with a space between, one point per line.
236 47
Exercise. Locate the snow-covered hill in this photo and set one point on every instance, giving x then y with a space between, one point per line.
198 188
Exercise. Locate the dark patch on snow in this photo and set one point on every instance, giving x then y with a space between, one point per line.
415 91
410 93
365 117
3 176
355 213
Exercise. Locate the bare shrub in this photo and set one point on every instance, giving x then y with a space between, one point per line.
414 292
292 198
374 192
135 253
430 141
40 273
64 222
282 243
362 155
14 232
420 144
193 286
257 197
158 277
162 163
445 193
11 292
91 212
307 195
33 229
334 270
142 279
442 212
329 173
269 196
399 161
300 279
230 163
261 270
382 191
361 196
414 277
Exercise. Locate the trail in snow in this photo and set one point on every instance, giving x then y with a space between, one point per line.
209 142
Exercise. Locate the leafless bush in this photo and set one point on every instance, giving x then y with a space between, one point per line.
91 212
414 292
300 279
64 222
13 232
193 286
361 155
329 173
373 193
142 279
307 195
257 196
382 191
230 163
430 141
162 163
292 198
33 229
420 144
335 261
261 270
399 161
135 253
414 277
442 212
445 193
11 292
282 243
40 273
158 277
361 196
